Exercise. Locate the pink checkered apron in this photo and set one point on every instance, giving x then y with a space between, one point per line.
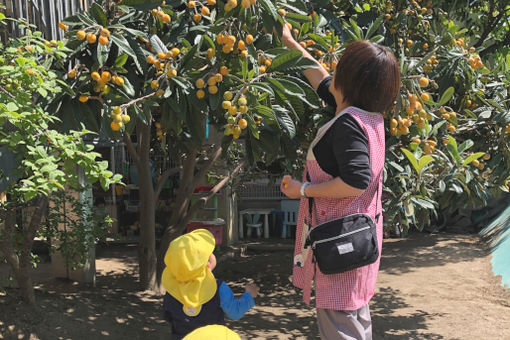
353 289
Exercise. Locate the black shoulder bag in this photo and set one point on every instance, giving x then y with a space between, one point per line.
344 243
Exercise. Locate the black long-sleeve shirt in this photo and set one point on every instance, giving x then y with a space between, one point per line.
343 150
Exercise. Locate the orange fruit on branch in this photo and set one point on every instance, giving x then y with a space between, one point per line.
81 35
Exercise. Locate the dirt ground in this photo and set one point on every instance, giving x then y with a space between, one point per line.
429 287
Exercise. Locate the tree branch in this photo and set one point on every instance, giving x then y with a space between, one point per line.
203 200
489 25
185 188
145 142
131 149
208 164
7 92
35 223
6 243
496 45
164 176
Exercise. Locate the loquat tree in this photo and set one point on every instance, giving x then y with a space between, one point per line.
159 75
447 134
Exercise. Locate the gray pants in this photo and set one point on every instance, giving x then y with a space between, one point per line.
345 325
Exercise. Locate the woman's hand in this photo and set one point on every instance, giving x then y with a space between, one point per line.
287 38
290 187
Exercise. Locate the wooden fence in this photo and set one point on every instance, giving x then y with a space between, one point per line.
45 14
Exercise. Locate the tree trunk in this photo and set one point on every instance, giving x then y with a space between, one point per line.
147 246
20 264
24 280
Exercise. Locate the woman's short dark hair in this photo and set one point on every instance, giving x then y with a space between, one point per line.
368 76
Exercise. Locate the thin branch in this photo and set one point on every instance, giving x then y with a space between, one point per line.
205 168
7 92
203 200
134 101
131 149
35 223
185 187
489 25
164 177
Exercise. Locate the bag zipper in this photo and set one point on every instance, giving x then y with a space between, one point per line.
339 236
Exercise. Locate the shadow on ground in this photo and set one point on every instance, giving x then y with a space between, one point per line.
115 309
418 250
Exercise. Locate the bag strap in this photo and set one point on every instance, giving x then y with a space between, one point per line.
310 199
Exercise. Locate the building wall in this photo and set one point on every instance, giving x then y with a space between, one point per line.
45 14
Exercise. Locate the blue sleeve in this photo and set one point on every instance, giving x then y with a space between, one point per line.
234 308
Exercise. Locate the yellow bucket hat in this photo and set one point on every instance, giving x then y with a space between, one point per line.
186 276
213 332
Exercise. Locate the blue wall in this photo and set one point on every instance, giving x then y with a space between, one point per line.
498 236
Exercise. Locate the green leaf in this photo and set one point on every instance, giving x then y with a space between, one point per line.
157 44
121 60
124 46
425 203
102 53
436 127
298 17
466 145
412 159
447 95
287 122
285 59
453 150
374 27
472 157
442 186
311 98
142 5
289 87
356 28
11 106
98 14
396 166
269 9
318 39
424 161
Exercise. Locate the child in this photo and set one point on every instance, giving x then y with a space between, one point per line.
194 297
212 332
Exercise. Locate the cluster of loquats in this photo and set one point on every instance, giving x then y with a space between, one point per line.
507 129
100 83
228 43
235 111
212 82
92 37
474 59
165 65
327 60
428 146
159 130
161 15
449 116
119 118
201 9
479 163
475 62
430 63
231 4
264 63
422 12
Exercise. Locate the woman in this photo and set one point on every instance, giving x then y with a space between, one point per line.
345 164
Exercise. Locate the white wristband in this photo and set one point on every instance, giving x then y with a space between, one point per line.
302 190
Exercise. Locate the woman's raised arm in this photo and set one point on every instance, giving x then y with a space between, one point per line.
314 75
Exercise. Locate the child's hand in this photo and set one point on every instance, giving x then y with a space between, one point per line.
252 289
